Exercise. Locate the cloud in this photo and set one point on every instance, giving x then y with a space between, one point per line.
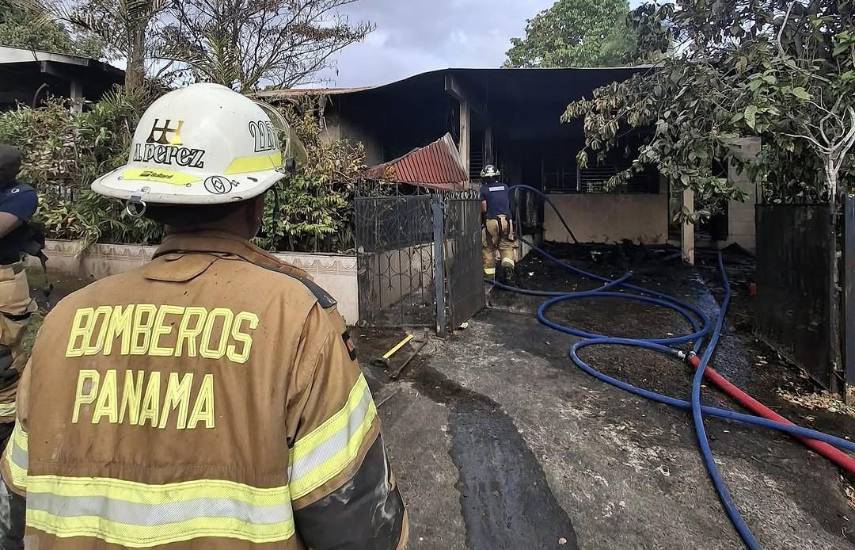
414 36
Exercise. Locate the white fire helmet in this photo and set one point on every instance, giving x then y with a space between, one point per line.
490 171
203 144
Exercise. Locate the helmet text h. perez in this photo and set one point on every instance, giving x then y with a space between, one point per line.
164 146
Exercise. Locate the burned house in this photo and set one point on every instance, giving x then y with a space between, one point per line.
512 118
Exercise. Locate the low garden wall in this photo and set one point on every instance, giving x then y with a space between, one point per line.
72 259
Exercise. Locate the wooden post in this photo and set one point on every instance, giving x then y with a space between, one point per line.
688 230
76 89
464 134
439 263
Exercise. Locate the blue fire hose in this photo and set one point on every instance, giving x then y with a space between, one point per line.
705 335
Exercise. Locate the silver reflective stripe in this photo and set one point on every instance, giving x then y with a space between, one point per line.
134 513
499 188
334 443
19 456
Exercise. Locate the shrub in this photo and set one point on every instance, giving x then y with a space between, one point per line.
65 151
315 206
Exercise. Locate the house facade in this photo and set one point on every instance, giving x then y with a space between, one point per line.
28 77
512 118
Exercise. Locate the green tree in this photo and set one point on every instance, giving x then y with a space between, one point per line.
22 26
780 70
251 44
575 33
127 28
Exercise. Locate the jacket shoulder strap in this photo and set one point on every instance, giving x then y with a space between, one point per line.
322 296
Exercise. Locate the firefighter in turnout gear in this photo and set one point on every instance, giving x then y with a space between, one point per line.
18 236
211 399
498 231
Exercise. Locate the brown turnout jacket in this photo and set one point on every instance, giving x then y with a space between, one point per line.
209 400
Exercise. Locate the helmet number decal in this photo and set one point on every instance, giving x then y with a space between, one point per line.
219 185
264 134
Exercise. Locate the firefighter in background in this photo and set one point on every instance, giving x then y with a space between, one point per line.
18 236
498 231
210 399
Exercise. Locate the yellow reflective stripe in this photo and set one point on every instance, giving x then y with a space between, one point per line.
255 163
329 449
135 536
140 515
8 409
159 175
20 437
16 456
131 491
490 271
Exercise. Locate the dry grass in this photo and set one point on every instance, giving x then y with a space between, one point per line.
823 401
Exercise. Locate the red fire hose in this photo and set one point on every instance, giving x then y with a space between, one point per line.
833 454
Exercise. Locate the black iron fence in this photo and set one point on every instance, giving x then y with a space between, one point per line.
793 282
418 258
797 299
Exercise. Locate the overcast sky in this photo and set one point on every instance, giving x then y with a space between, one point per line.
414 36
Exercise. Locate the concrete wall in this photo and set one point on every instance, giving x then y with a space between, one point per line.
741 215
336 274
395 274
608 218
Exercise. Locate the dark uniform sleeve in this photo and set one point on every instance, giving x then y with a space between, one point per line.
343 491
22 204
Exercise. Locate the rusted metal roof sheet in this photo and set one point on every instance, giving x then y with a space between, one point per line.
437 166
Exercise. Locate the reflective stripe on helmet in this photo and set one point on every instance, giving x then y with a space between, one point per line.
140 515
17 457
255 163
332 447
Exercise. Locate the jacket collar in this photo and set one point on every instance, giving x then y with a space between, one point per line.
214 242
220 243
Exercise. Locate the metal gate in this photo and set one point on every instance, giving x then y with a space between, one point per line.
418 258
463 269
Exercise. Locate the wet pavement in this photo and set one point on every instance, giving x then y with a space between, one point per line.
499 406
499 442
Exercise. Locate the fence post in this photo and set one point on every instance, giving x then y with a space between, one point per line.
439 263
849 297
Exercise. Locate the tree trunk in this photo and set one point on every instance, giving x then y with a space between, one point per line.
135 71
834 306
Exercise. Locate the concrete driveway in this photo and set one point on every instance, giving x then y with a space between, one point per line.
500 443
